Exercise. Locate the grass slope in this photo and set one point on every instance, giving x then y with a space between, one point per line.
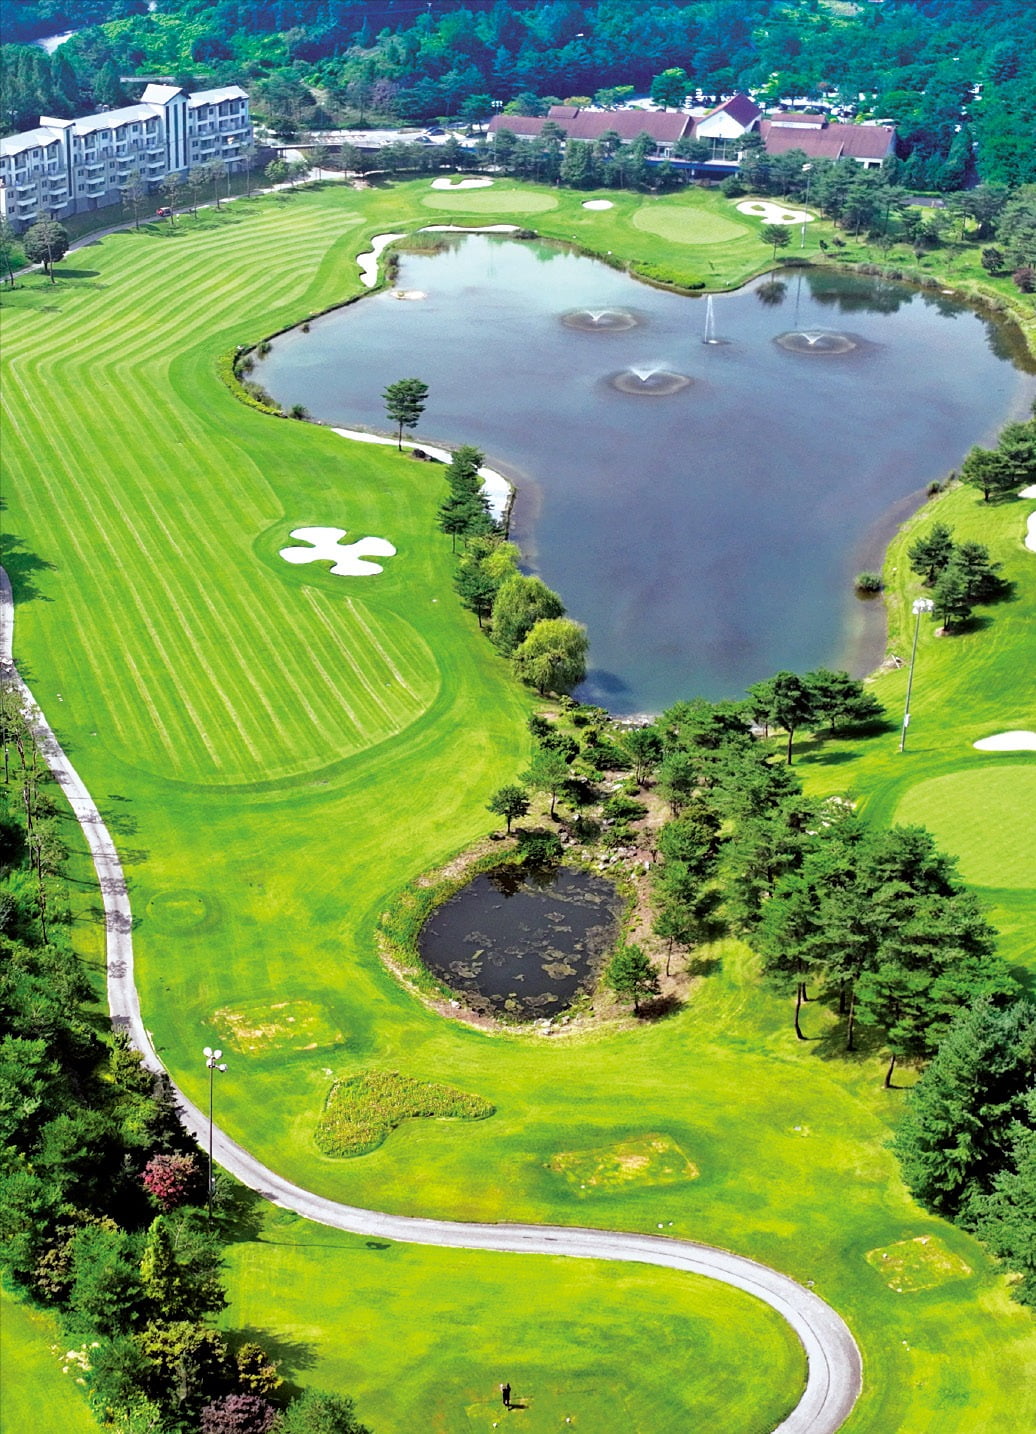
281 751
34 1393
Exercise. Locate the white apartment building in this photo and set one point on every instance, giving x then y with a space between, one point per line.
69 166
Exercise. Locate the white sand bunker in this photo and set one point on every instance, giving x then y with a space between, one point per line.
598 204
774 213
409 294
468 229
350 561
496 487
368 261
1030 527
1007 742
448 183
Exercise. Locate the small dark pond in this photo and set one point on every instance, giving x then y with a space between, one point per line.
699 481
520 944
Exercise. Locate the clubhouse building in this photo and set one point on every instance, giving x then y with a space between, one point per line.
722 128
67 167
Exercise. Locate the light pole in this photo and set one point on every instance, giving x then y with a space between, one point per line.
807 170
920 605
212 1060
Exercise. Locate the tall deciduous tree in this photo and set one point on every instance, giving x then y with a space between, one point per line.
404 403
509 803
777 235
46 243
552 658
520 603
547 772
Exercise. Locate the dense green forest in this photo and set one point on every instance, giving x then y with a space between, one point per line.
957 76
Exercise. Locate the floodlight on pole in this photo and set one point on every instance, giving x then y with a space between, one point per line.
920 605
212 1060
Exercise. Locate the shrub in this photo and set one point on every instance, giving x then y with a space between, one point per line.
238 1414
868 583
623 808
1025 279
171 1180
539 848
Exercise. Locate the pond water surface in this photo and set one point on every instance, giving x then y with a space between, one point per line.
521 944
701 506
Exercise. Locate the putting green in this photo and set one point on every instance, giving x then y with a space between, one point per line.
984 817
684 224
489 201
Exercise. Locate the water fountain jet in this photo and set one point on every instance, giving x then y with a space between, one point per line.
816 341
600 320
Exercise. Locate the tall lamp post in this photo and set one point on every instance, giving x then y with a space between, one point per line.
212 1060
807 170
920 605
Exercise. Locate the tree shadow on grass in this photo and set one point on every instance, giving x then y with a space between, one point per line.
868 1043
660 1008
22 566
291 1356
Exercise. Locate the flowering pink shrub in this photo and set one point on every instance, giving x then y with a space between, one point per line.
170 1179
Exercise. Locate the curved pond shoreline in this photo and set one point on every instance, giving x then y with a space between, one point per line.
726 644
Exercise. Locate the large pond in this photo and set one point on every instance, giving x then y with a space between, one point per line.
706 531
523 945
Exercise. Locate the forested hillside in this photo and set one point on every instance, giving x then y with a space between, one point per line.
957 76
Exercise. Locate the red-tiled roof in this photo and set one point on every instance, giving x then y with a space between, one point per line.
663 127
832 141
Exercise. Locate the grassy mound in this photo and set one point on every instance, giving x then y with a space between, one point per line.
360 1112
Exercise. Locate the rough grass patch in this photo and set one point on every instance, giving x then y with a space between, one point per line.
361 1111
283 1026
650 1159
917 1264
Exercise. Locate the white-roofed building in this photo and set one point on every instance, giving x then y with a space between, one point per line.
70 166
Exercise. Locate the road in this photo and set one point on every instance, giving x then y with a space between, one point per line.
834 1363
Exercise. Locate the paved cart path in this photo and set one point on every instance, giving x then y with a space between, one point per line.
834 1363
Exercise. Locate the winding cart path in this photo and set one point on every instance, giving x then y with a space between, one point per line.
833 1357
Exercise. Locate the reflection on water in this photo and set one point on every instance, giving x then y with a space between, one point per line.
522 945
706 539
